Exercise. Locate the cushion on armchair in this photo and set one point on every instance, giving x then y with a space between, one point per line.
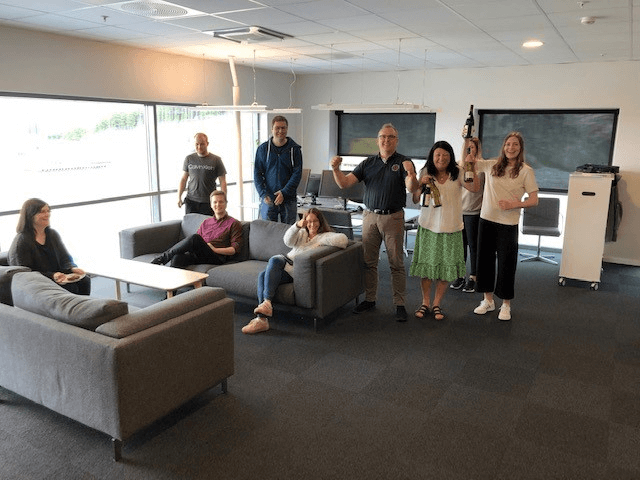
158 313
266 239
36 293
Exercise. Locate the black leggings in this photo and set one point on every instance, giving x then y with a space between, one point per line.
497 243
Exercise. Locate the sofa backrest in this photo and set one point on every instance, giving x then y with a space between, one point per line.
190 224
266 239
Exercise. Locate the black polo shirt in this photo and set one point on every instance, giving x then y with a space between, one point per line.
384 182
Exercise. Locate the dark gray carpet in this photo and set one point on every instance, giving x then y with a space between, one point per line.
553 394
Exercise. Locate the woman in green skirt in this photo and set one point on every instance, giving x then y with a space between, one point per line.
438 256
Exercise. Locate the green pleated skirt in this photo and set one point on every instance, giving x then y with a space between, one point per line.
438 256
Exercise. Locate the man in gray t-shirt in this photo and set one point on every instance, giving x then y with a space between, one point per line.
201 170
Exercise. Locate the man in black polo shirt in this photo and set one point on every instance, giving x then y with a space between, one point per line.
385 177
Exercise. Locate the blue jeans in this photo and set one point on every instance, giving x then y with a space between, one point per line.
271 277
287 212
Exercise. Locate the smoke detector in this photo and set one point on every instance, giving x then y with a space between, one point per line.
588 20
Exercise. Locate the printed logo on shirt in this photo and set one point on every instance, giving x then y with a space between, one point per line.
395 167
201 167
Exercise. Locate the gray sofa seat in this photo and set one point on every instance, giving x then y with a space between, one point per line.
127 373
325 278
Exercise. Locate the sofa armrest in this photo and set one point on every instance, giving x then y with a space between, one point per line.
304 275
151 238
340 278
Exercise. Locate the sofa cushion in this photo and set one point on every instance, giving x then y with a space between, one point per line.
137 321
36 293
266 239
241 279
6 274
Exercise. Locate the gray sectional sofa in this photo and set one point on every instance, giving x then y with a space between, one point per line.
325 278
108 366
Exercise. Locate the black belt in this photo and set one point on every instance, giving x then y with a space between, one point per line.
388 211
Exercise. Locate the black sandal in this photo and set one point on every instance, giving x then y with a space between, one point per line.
422 311
438 311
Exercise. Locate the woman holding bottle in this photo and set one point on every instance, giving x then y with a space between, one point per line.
438 254
508 179
471 203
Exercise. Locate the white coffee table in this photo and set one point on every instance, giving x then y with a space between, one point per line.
146 274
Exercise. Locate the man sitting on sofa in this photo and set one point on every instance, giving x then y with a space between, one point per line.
217 239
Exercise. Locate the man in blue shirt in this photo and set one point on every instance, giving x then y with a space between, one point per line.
386 176
277 173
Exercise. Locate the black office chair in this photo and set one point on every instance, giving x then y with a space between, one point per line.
542 220
338 220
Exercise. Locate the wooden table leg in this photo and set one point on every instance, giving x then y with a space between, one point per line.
118 293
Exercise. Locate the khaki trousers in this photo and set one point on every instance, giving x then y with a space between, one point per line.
390 230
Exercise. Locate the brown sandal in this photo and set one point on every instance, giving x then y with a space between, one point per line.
437 311
422 311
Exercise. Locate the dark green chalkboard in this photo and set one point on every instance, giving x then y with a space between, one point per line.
556 141
357 132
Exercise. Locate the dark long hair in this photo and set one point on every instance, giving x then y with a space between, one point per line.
324 225
30 209
500 167
430 167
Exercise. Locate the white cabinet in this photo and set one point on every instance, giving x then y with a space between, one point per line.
585 226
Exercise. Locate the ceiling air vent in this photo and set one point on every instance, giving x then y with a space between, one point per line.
156 9
251 34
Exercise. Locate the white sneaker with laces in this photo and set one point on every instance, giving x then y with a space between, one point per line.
257 325
485 307
505 312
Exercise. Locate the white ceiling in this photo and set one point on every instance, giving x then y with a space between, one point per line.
354 35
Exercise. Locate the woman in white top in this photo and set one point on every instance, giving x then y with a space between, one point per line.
508 179
312 231
438 254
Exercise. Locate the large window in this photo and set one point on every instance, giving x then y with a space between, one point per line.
104 166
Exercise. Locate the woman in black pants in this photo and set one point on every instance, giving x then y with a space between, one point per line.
508 179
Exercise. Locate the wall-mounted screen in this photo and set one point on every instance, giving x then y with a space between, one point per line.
555 141
358 132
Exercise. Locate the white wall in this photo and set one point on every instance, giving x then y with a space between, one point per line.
450 92
36 62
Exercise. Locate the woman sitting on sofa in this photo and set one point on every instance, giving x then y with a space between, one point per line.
311 232
40 248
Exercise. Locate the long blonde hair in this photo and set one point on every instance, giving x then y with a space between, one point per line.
500 167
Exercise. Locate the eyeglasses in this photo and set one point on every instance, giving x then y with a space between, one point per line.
387 137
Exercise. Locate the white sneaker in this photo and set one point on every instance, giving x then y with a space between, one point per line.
257 325
485 307
505 312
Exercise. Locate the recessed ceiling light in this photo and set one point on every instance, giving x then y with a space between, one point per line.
532 44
